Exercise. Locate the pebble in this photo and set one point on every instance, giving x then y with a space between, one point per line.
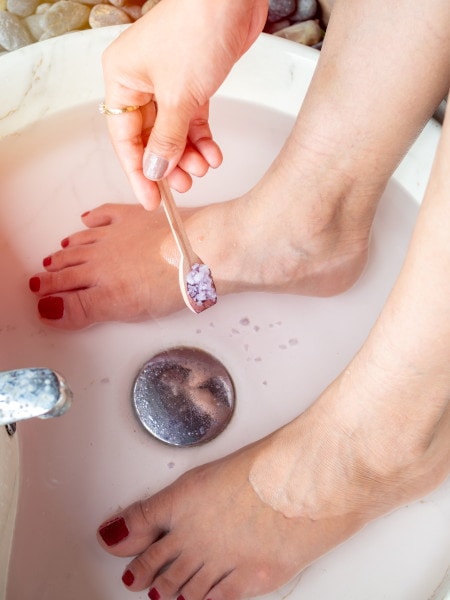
13 32
306 32
22 8
278 9
118 3
64 16
42 8
134 11
91 2
306 10
35 24
103 15
274 27
148 5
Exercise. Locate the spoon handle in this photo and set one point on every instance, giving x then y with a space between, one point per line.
176 223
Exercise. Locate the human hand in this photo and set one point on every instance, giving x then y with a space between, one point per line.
178 54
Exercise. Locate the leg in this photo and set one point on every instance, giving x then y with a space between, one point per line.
330 175
377 438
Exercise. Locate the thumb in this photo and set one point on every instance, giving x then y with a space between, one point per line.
166 143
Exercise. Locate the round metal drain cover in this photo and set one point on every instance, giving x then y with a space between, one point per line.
184 396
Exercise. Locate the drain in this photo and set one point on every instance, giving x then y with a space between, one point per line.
184 396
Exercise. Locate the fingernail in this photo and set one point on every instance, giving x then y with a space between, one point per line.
51 307
114 531
128 578
154 166
65 242
35 284
85 214
154 594
47 261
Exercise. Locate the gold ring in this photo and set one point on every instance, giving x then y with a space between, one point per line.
106 110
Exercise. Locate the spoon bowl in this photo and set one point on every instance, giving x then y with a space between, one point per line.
196 283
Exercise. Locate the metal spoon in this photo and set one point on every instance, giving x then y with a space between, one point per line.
195 278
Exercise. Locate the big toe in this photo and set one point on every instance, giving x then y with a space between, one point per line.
78 309
134 529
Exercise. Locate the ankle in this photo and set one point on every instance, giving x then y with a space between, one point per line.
399 428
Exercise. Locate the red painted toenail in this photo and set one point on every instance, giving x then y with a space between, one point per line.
154 594
65 242
128 577
85 214
51 307
181 597
114 531
47 261
35 284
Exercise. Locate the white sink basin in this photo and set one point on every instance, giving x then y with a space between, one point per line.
79 469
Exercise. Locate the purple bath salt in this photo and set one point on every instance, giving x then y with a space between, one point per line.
200 286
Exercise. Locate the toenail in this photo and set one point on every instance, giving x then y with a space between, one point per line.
51 307
180 597
85 214
35 284
128 578
154 594
47 261
65 242
114 531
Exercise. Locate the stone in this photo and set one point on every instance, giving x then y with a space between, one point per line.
35 24
306 10
325 9
103 15
22 8
2 4
13 33
64 16
308 33
42 8
274 27
134 11
279 9
148 5
91 2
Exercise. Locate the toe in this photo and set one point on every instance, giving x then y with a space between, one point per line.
230 587
71 278
171 580
205 579
109 213
163 567
99 216
79 238
75 310
62 259
139 526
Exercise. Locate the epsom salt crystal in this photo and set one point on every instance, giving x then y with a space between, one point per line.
200 285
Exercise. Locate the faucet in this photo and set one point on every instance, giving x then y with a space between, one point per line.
35 392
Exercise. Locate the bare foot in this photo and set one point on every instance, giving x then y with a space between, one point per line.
123 267
246 524
109 271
